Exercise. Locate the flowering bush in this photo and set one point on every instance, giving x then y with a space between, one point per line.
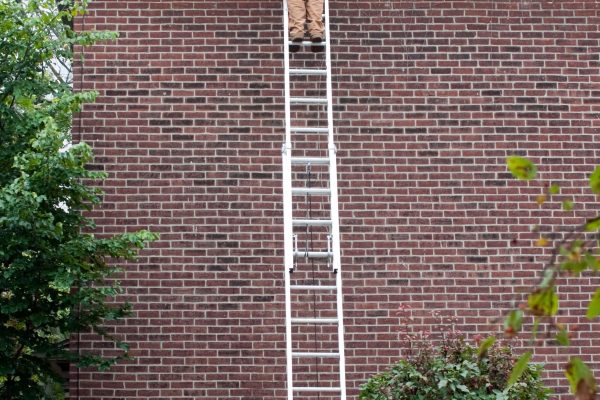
455 370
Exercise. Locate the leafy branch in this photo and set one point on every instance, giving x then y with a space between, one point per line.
574 254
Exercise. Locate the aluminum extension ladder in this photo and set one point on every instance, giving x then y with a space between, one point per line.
292 195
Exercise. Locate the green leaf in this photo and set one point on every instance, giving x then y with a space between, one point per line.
581 379
63 282
577 260
38 319
518 369
554 189
521 168
513 322
485 346
543 302
594 306
575 266
463 388
595 180
567 205
593 225
562 337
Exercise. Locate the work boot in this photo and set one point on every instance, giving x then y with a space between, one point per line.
296 40
316 38
296 37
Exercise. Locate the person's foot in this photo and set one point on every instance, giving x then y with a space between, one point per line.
295 40
317 41
316 37
296 37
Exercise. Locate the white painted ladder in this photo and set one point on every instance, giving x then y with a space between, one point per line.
332 251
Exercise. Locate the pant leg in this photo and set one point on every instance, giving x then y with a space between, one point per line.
314 11
297 17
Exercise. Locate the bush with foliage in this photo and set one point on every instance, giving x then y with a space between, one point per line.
458 371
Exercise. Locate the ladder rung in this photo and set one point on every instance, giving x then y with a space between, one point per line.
310 160
313 287
307 71
315 320
308 130
307 43
316 354
308 100
311 222
313 254
316 389
315 191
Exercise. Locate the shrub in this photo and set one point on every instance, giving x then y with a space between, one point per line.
455 370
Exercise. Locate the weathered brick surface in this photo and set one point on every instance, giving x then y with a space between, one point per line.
431 96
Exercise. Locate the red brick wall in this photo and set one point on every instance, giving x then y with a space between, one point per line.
430 97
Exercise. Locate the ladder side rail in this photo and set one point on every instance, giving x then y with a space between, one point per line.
335 224
287 209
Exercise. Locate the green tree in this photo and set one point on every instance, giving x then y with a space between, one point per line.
52 271
575 251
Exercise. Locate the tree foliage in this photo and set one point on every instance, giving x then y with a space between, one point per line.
577 251
51 271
